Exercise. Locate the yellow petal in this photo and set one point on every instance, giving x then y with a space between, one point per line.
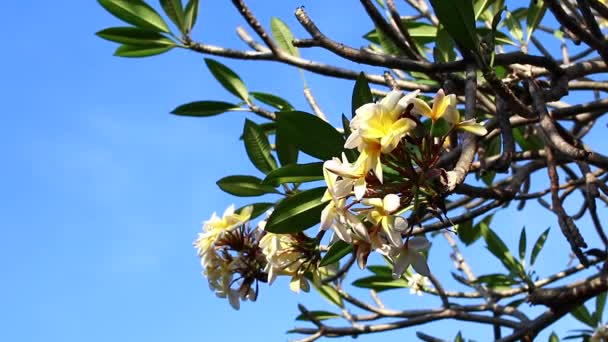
421 107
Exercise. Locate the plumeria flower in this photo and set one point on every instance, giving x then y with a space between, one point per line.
381 214
353 176
215 226
417 283
282 258
411 254
378 127
443 107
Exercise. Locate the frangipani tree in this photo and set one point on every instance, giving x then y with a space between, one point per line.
467 107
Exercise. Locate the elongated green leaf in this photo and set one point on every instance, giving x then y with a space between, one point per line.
378 270
228 79
245 186
553 337
297 213
190 15
286 150
600 303
458 17
444 46
514 26
522 244
272 100
258 147
137 13
380 283
467 233
495 280
529 142
282 34
136 51
258 209
134 36
480 6
336 251
299 127
175 12
536 12
204 108
538 246
330 294
497 247
582 315
361 93
387 44
295 173
319 315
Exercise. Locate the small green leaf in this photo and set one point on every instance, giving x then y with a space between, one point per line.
137 13
444 46
600 303
378 270
536 12
553 337
467 233
522 244
272 100
582 315
495 280
336 251
497 247
204 108
190 15
528 142
134 36
297 213
380 283
387 44
295 173
514 26
282 34
257 147
458 17
258 209
136 51
480 6
175 12
361 93
328 292
538 246
440 128
299 127
245 186
319 315
458 337
228 79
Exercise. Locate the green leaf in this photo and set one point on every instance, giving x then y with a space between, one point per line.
380 283
458 337
528 142
387 44
467 233
204 108
282 34
553 337
522 244
190 15
137 51
536 12
458 17
258 209
245 186
297 213
444 46
361 93
319 315
514 26
286 151
137 13
480 6
299 127
328 292
228 79
134 36
336 251
440 128
495 280
378 270
175 12
600 303
258 147
497 247
295 173
582 315
538 246
272 100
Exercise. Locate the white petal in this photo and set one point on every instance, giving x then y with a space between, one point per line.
391 202
400 224
360 188
418 243
327 216
404 101
420 265
353 141
400 265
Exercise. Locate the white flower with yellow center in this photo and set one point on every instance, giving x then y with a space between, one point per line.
417 283
353 177
282 258
216 225
381 213
411 254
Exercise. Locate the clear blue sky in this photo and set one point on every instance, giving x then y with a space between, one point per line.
104 191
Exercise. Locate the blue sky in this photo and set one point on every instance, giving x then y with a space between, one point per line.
105 191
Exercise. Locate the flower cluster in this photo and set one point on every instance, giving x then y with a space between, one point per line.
395 170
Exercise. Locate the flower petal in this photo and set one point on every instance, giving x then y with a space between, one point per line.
391 202
418 243
421 107
419 264
400 265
